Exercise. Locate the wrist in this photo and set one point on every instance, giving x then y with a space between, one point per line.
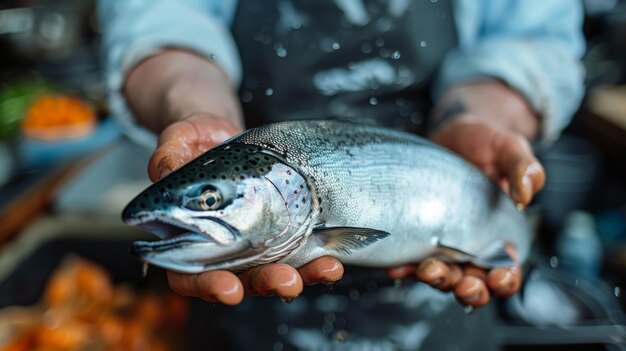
174 84
489 102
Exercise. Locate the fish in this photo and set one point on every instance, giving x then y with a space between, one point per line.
294 191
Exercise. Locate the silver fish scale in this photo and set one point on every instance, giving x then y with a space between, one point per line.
377 178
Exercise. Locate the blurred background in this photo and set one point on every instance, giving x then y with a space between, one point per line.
67 281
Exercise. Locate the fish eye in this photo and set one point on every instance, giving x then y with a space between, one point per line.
209 200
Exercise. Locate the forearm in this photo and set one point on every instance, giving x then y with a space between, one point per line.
490 101
175 84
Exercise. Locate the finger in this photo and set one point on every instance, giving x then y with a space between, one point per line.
176 147
471 270
433 272
213 286
472 291
272 279
505 281
322 270
520 167
455 275
402 272
182 141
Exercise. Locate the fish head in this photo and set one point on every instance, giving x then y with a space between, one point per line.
225 209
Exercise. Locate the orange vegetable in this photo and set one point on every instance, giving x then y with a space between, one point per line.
54 117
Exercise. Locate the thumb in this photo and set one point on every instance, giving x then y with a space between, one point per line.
182 141
520 167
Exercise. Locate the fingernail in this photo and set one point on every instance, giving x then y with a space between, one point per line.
506 278
521 190
164 172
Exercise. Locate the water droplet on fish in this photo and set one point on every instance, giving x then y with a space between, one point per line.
380 42
278 346
282 329
329 317
327 328
144 269
423 44
287 300
296 25
384 53
434 1
395 55
341 335
576 282
269 91
469 309
373 101
397 283
336 46
554 261
366 48
617 291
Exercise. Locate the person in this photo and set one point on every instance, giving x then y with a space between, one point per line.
501 75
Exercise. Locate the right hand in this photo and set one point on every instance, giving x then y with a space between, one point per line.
180 143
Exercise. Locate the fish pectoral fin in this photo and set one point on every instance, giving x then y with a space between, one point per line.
347 239
494 255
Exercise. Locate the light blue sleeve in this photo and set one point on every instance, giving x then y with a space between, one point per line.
533 45
136 29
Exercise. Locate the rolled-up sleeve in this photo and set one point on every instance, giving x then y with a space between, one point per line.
533 46
136 29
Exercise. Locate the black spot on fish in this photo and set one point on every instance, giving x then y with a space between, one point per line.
222 158
201 175
167 197
226 162
288 172
223 177
156 200
236 169
253 162
213 176
170 186
237 149
286 181
142 205
319 200
301 186
303 200
245 168
242 177
297 206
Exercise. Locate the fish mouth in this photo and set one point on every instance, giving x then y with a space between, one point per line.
164 227
185 249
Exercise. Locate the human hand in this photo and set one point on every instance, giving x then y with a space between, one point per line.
180 143
492 136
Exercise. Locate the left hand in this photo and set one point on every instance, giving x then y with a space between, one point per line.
491 132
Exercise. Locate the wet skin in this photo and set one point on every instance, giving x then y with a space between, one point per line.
503 155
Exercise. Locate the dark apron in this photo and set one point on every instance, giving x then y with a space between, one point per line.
312 59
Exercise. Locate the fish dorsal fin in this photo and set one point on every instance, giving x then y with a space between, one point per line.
493 255
347 239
